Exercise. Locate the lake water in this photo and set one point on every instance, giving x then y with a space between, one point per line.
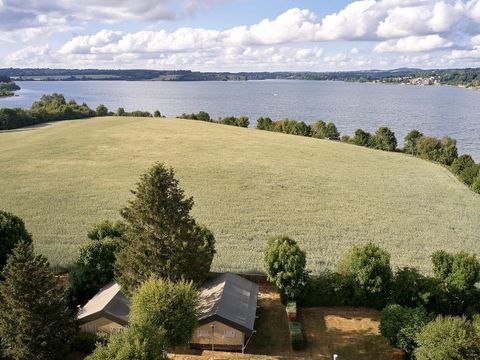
433 110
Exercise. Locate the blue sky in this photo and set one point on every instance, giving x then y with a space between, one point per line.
240 35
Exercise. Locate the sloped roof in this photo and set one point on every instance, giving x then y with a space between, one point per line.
110 302
230 299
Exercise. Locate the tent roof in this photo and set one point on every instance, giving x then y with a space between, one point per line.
231 299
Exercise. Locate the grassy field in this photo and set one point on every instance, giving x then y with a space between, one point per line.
247 185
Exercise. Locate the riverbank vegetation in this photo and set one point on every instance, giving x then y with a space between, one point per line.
7 86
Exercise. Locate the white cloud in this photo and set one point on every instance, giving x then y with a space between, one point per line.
413 44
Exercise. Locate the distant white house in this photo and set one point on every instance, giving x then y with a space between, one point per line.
228 305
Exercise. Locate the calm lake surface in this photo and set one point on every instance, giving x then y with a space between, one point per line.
433 110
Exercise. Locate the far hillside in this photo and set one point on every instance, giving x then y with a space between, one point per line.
247 185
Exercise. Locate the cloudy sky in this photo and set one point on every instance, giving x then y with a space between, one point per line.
238 35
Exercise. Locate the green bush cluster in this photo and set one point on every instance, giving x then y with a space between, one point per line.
364 278
240 121
297 338
49 108
136 113
319 129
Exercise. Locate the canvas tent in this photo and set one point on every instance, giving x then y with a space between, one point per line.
228 305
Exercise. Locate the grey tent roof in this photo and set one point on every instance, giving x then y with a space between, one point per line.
230 299
110 302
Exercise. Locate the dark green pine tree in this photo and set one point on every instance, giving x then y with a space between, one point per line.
161 239
35 321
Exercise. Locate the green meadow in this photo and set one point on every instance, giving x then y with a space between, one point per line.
247 185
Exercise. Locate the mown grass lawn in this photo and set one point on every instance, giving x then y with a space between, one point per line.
247 185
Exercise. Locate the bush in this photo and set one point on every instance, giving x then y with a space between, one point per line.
328 289
160 304
368 269
292 127
264 123
443 151
84 342
448 338
157 114
331 132
285 264
202 116
106 229
400 325
241 121
410 288
296 335
319 129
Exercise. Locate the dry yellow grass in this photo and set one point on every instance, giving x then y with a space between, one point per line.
247 185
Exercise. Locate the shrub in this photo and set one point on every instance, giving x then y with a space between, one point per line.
202 116
12 232
106 229
460 271
328 289
346 139
157 113
385 139
241 121
292 127
368 269
161 238
131 344
84 342
400 325
448 338
172 307
296 335
285 264
120 111
410 288
264 123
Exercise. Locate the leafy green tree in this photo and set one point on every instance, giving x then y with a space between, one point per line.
319 129
410 288
466 169
332 132
157 113
101 110
161 238
429 147
242 121
385 139
368 268
35 321
106 229
94 268
362 138
476 184
411 141
448 338
460 271
12 232
168 306
449 150
120 111
400 325
132 344
264 123
285 264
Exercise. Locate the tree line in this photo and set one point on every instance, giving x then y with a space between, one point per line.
7 86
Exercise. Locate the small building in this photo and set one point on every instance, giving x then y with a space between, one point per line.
106 312
228 305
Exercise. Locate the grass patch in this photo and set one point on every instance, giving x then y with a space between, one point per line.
247 184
